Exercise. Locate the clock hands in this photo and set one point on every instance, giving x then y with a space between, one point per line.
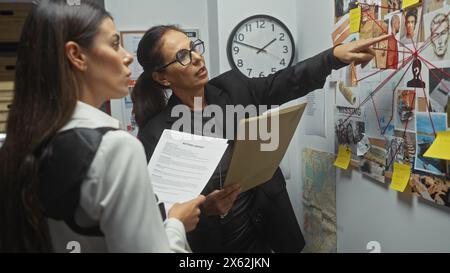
263 49
254 47
259 49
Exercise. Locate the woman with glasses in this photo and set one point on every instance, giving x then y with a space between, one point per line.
67 173
258 220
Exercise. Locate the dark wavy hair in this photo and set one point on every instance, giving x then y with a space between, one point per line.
45 98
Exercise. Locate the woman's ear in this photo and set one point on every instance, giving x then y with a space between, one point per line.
75 55
161 79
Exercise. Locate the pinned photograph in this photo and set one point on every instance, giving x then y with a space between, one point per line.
405 106
349 128
409 143
373 163
437 25
349 132
381 55
412 29
439 90
395 22
395 151
432 188
426 129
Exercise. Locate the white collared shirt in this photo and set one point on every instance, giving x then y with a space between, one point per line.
118 196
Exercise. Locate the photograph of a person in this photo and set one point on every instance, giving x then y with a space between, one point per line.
417 80
395 22
412 30
349 133
437 30
381 56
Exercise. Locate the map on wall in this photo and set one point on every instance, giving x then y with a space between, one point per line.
319 202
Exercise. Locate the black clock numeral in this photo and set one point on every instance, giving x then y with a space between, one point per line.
274 70
260 24
283 62
285 49
240 63
282 37
249 70
261 75
248 27
273 27
241 37
236 50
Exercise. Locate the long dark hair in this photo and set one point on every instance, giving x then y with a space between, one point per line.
149 97
45 98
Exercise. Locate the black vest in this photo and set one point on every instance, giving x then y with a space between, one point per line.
64 163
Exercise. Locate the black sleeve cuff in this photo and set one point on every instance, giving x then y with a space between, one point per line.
336 64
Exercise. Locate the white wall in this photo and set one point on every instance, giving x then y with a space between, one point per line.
231 12
368 211
140 15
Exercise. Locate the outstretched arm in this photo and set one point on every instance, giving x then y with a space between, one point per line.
310 74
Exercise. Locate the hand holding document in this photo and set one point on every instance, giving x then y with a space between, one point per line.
182 165
254 162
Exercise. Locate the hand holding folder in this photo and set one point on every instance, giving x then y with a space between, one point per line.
251 164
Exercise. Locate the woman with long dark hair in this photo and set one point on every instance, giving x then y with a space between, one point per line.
66 172
261 219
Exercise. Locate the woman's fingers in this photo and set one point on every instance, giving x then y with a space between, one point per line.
366 43
361 58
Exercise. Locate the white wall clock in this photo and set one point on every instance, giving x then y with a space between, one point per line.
260 45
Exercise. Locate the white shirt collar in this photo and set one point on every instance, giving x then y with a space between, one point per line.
87 116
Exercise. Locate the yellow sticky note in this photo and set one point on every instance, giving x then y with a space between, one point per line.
400 177
343 158
355 19
441 147
409 3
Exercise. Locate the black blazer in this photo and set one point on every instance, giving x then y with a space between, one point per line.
272 211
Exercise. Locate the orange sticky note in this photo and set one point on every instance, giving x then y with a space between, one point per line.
409 3
441 147
355 19
343 158
400 177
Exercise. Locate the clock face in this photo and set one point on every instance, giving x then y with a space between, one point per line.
259 46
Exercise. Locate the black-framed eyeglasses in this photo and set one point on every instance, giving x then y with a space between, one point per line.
184 56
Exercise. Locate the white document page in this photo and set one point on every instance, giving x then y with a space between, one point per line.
182 165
